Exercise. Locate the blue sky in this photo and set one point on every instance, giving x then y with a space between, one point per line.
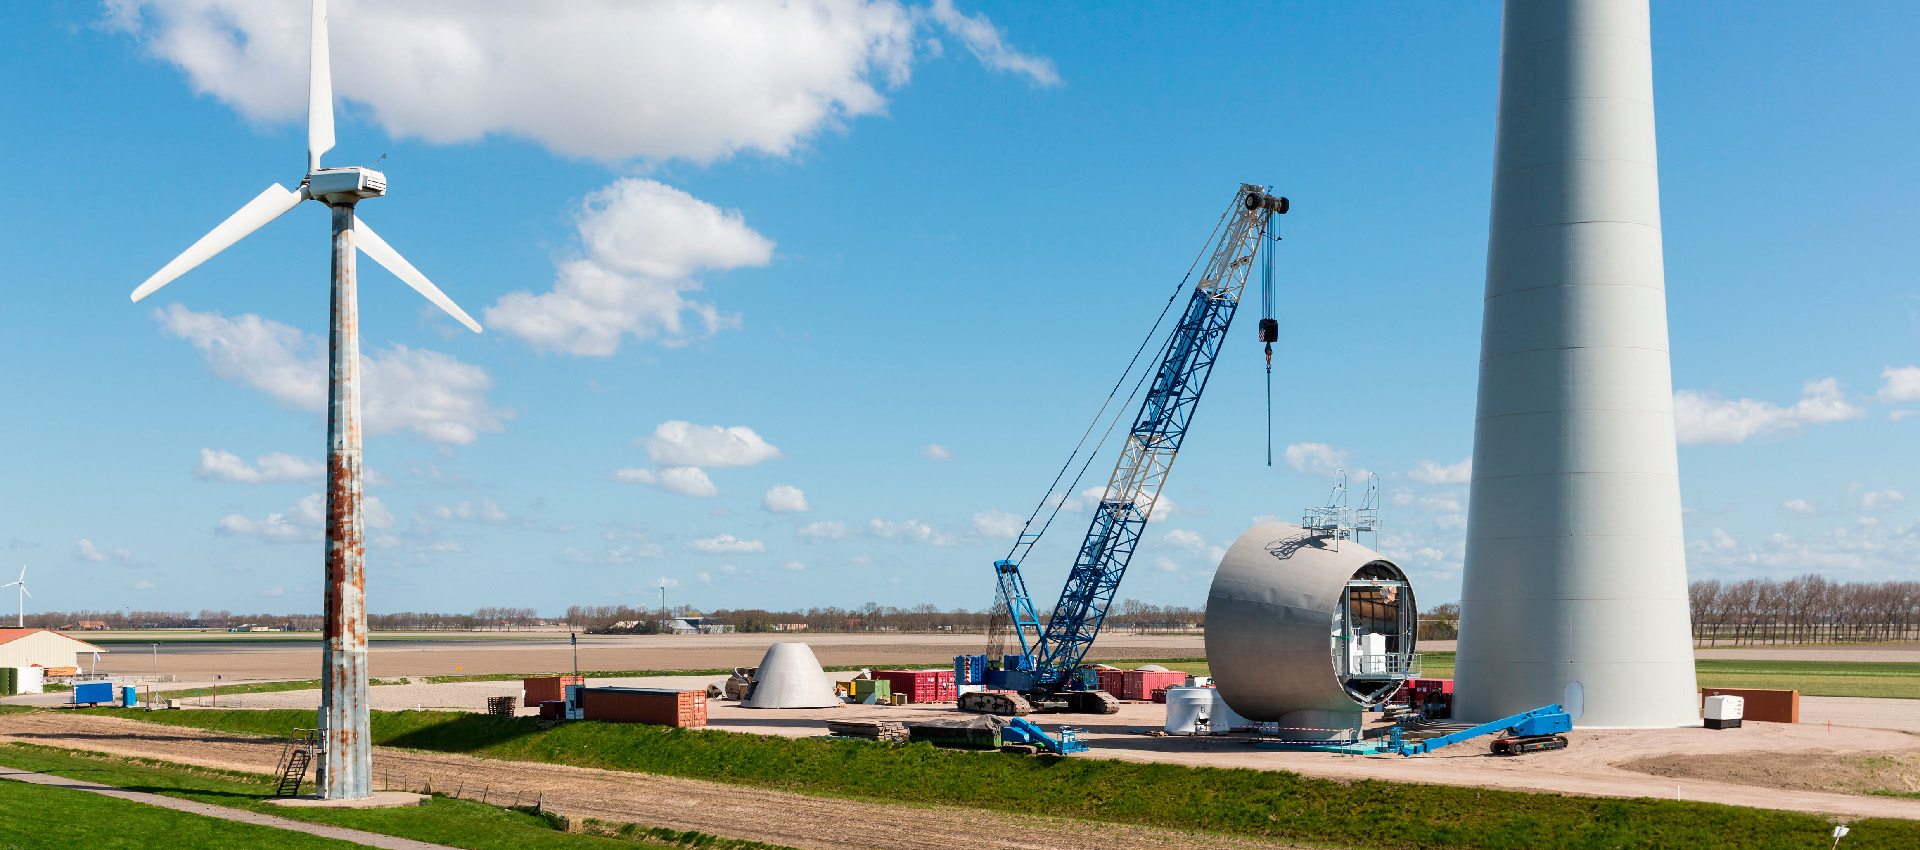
825 242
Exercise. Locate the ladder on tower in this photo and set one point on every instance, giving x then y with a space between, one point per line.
295 757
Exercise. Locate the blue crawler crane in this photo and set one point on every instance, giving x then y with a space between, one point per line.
1054 649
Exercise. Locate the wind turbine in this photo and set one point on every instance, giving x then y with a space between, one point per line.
345 761
22 584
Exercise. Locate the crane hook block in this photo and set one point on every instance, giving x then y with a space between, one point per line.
1269 330
1257 201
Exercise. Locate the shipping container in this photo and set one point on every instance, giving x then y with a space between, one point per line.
659 706
1112 681
553 709
539 689
921 685
1140 684
1762 704
879 690
93 693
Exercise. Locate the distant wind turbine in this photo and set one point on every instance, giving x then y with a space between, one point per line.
22 584
345 760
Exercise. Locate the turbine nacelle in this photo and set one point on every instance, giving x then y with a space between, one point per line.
345 185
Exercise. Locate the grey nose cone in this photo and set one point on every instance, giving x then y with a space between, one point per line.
790 677
1575 578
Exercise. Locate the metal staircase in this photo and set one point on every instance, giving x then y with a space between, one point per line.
295 757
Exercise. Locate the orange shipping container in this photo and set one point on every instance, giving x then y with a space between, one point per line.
659 706
1768 706
547 688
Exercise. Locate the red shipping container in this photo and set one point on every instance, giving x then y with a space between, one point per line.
659 706
547 688
1112 681
921 685
1431 686
1140 684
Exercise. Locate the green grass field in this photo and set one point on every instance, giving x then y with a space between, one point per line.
39 816
1250 802
456 823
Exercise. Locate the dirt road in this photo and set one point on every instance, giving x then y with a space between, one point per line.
754 814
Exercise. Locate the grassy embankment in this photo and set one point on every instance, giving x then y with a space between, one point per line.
39 816
455 823
1239 801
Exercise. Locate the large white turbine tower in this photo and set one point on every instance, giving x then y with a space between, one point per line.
22 584
345 760
1576 578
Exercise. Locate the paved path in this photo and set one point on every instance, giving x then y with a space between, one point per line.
369 839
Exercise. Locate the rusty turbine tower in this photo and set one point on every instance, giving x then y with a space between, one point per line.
345 761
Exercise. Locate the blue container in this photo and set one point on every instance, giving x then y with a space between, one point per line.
129 696
93 693
969 669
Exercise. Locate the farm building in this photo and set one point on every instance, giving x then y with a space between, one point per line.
28 647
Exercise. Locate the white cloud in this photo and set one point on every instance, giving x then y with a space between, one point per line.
910 531
935 451
143 584
1874 551
1704 418
667 582
1193 542
1902 383
609 81
685 480
643 245
823 530
677 443
998 524
1799 506
725 544
785 499
795 566
1428 472
1166 565
226 466
703 578
986 43
438 397
84 550
1901 415
1442 503
1315 458
303 523
1881 500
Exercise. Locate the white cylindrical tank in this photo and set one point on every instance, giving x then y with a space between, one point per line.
1187 708
1575 576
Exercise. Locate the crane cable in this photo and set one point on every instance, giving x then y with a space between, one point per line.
1022 540
1269 325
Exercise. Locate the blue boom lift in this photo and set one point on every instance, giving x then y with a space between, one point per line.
1041 678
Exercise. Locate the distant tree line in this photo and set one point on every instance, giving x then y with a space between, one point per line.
481 619
1808 609
871 617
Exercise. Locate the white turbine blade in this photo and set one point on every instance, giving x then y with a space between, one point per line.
382 253
267 206
319 91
